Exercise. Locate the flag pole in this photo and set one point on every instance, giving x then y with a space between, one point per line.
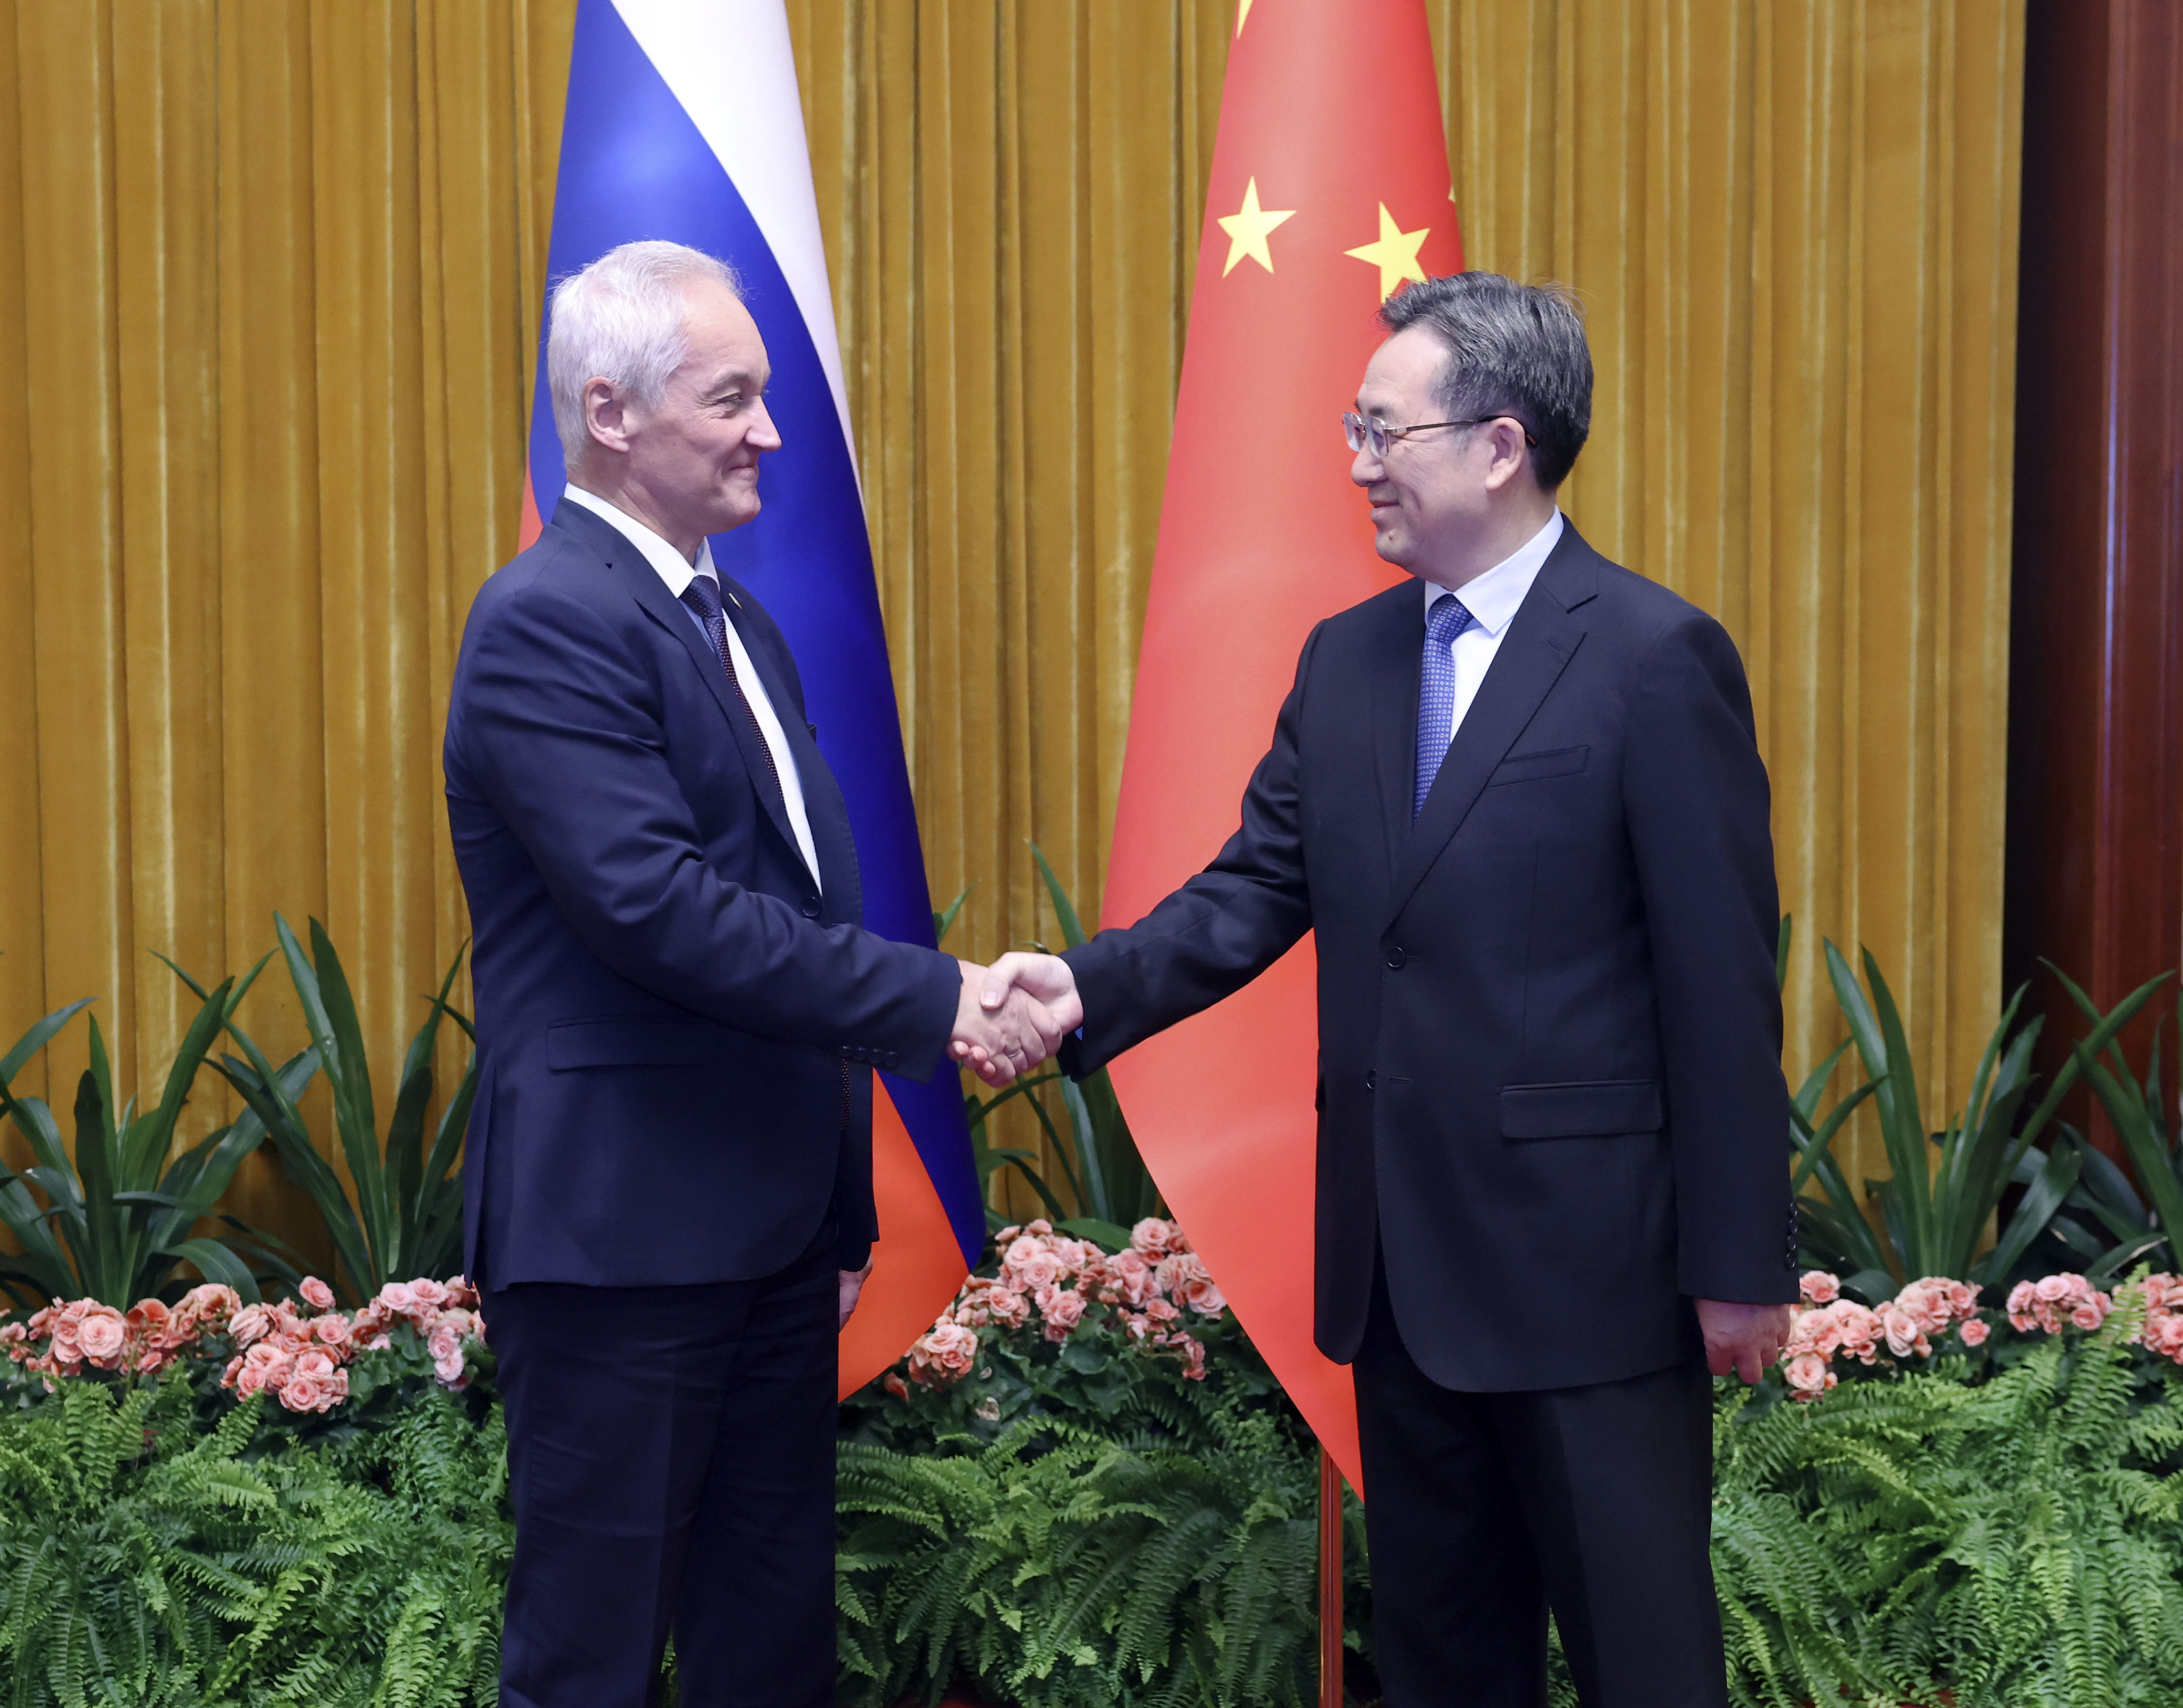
1330 1581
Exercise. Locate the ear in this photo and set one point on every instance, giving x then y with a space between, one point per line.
1510 456
606 417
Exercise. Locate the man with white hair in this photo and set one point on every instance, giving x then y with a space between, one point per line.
668 1186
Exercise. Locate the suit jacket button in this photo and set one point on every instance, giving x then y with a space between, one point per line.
1395 957
810 906
1371 1078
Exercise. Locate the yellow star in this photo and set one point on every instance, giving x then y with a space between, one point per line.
1247 228
1242 13
1395 253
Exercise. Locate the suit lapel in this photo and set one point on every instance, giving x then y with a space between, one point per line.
609 544
1394 655
823 807
1542 637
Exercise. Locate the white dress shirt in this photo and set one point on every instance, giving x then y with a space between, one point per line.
669 564
1491 600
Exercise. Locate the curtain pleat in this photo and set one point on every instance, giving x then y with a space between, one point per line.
270 291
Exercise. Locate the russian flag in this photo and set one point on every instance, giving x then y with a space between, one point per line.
683 122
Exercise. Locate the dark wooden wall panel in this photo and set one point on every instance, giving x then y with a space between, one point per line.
2095 869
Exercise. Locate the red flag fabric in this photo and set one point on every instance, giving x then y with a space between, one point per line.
1330 190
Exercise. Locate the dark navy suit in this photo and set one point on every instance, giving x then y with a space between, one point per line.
670 1150
1552 1108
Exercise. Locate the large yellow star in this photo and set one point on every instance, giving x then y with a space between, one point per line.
1247 228
1395 253
1242 13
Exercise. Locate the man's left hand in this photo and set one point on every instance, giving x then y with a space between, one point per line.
852 1284
1746 1339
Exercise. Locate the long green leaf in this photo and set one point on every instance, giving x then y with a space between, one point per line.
1807 1098
943 922
1072 933
2156 1168
102 1223
1902 1125
262 1090
37 1038
342 1056
215 1262
1815 1146
2035 1211
151 1137
1097 1201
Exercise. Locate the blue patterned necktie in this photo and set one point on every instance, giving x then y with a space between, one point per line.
1436 692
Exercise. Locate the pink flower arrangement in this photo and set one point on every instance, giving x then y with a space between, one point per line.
299 1358
1065 1287
1827 1326
2055 1302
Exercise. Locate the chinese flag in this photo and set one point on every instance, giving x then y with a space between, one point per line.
1330 191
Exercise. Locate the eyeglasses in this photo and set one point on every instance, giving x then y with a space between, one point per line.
1361 431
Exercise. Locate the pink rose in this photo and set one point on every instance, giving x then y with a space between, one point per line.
428 1293
148 1315
378 1343
448 1367
1152 1237
316 1294
1002 1239
1904 1336
1042 1272
1820 1288
1038 1225
315 1365
444 1343
945 1354
1178 1270
399 1298
461 1293
894 1385
213 1300
234 1368
2054 1288
1974 1332
252 1322
1019 1253
1962 1299
301 1393
1008 1308
101 1335
1203 1297
1160 1311
1063 1309
333 1330
2088 1316
1808 1375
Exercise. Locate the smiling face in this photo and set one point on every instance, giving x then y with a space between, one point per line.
687 464
1430 494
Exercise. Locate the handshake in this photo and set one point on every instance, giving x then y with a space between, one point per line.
1012 1015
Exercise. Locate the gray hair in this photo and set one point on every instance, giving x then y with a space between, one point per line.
621 320
1512 350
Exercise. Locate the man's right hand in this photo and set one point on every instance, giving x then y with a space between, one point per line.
1001 1036
1045 979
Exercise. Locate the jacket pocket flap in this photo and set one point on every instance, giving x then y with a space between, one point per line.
1583 1110
633 1043
1529 767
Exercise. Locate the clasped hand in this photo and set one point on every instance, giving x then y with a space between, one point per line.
1012 1015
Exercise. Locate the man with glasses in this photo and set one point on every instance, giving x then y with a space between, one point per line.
1520 802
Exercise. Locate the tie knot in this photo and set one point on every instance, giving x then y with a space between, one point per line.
703 597
1447 618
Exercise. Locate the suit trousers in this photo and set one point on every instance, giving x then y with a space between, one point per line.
670 1455
1487 1510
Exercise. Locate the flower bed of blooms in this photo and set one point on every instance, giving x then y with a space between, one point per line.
1829 1329
298 1353
1055 1287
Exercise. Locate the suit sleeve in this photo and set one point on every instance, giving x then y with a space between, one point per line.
1216 934
560 729
1697 803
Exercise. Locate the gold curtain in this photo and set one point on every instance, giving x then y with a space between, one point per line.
268 295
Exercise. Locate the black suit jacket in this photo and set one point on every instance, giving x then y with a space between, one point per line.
675 1030
1550 1036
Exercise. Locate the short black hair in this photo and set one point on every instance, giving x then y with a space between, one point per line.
1512 349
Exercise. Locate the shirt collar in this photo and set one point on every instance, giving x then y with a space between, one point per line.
666 562
1492 599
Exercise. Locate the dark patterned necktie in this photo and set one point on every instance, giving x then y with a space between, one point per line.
1436 692
702 596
